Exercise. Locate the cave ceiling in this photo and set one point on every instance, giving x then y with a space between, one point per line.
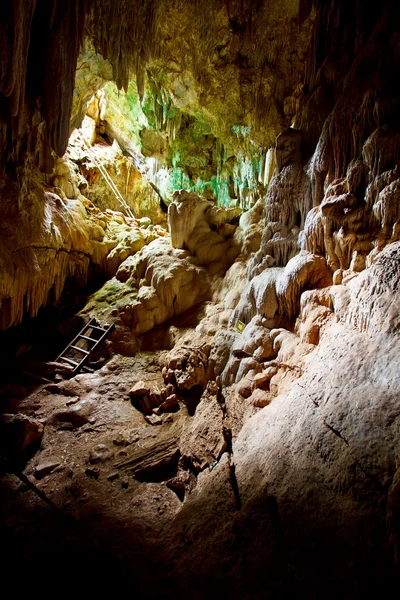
227 64
243 69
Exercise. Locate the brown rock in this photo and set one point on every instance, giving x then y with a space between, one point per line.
44 469
203 438
74 416
154 419
144 462
92 472
168 390
188 366
143 404
260 379
139 389
19 433
270 371
171 404
245 387
156 397
260 398
122 438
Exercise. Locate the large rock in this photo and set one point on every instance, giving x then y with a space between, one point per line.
19 435
196 224
187 367
202 440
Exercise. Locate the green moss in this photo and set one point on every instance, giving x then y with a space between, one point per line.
213 159
124 111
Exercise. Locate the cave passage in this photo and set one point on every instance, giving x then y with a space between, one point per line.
218 184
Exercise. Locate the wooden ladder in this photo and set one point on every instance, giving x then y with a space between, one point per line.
92 335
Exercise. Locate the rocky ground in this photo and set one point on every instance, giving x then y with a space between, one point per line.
170 477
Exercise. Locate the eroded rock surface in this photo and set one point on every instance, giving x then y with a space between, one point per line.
240 435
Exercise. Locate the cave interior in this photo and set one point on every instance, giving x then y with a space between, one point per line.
213 189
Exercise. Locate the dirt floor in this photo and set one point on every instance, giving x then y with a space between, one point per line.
103 467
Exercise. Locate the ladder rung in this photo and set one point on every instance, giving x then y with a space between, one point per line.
98 328
80 349
86 337
81 336
69 360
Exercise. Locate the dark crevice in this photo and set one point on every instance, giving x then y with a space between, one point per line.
159 473
335 431
227 433
234 484
191 398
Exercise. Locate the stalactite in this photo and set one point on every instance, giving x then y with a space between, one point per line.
130 34
15 45
38 257
40 44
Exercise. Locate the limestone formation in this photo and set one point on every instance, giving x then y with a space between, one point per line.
197 225
237 434
58 238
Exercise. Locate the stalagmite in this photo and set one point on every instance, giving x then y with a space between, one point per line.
196 224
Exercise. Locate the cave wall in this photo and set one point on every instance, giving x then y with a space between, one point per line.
317 467
328 67
40 44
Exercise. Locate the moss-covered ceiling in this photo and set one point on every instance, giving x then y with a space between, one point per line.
226 64
229 66
204 96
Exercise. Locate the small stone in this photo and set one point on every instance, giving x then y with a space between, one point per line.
125 483
93 472
154 419
139 389
44 469
100 453
171 404
72 401
113 476
121 439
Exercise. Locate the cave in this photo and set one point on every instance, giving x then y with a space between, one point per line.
200 201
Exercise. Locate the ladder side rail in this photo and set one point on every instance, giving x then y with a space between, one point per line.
76 338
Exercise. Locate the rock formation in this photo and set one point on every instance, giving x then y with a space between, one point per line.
238 432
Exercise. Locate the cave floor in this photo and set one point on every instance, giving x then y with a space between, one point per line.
106 517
